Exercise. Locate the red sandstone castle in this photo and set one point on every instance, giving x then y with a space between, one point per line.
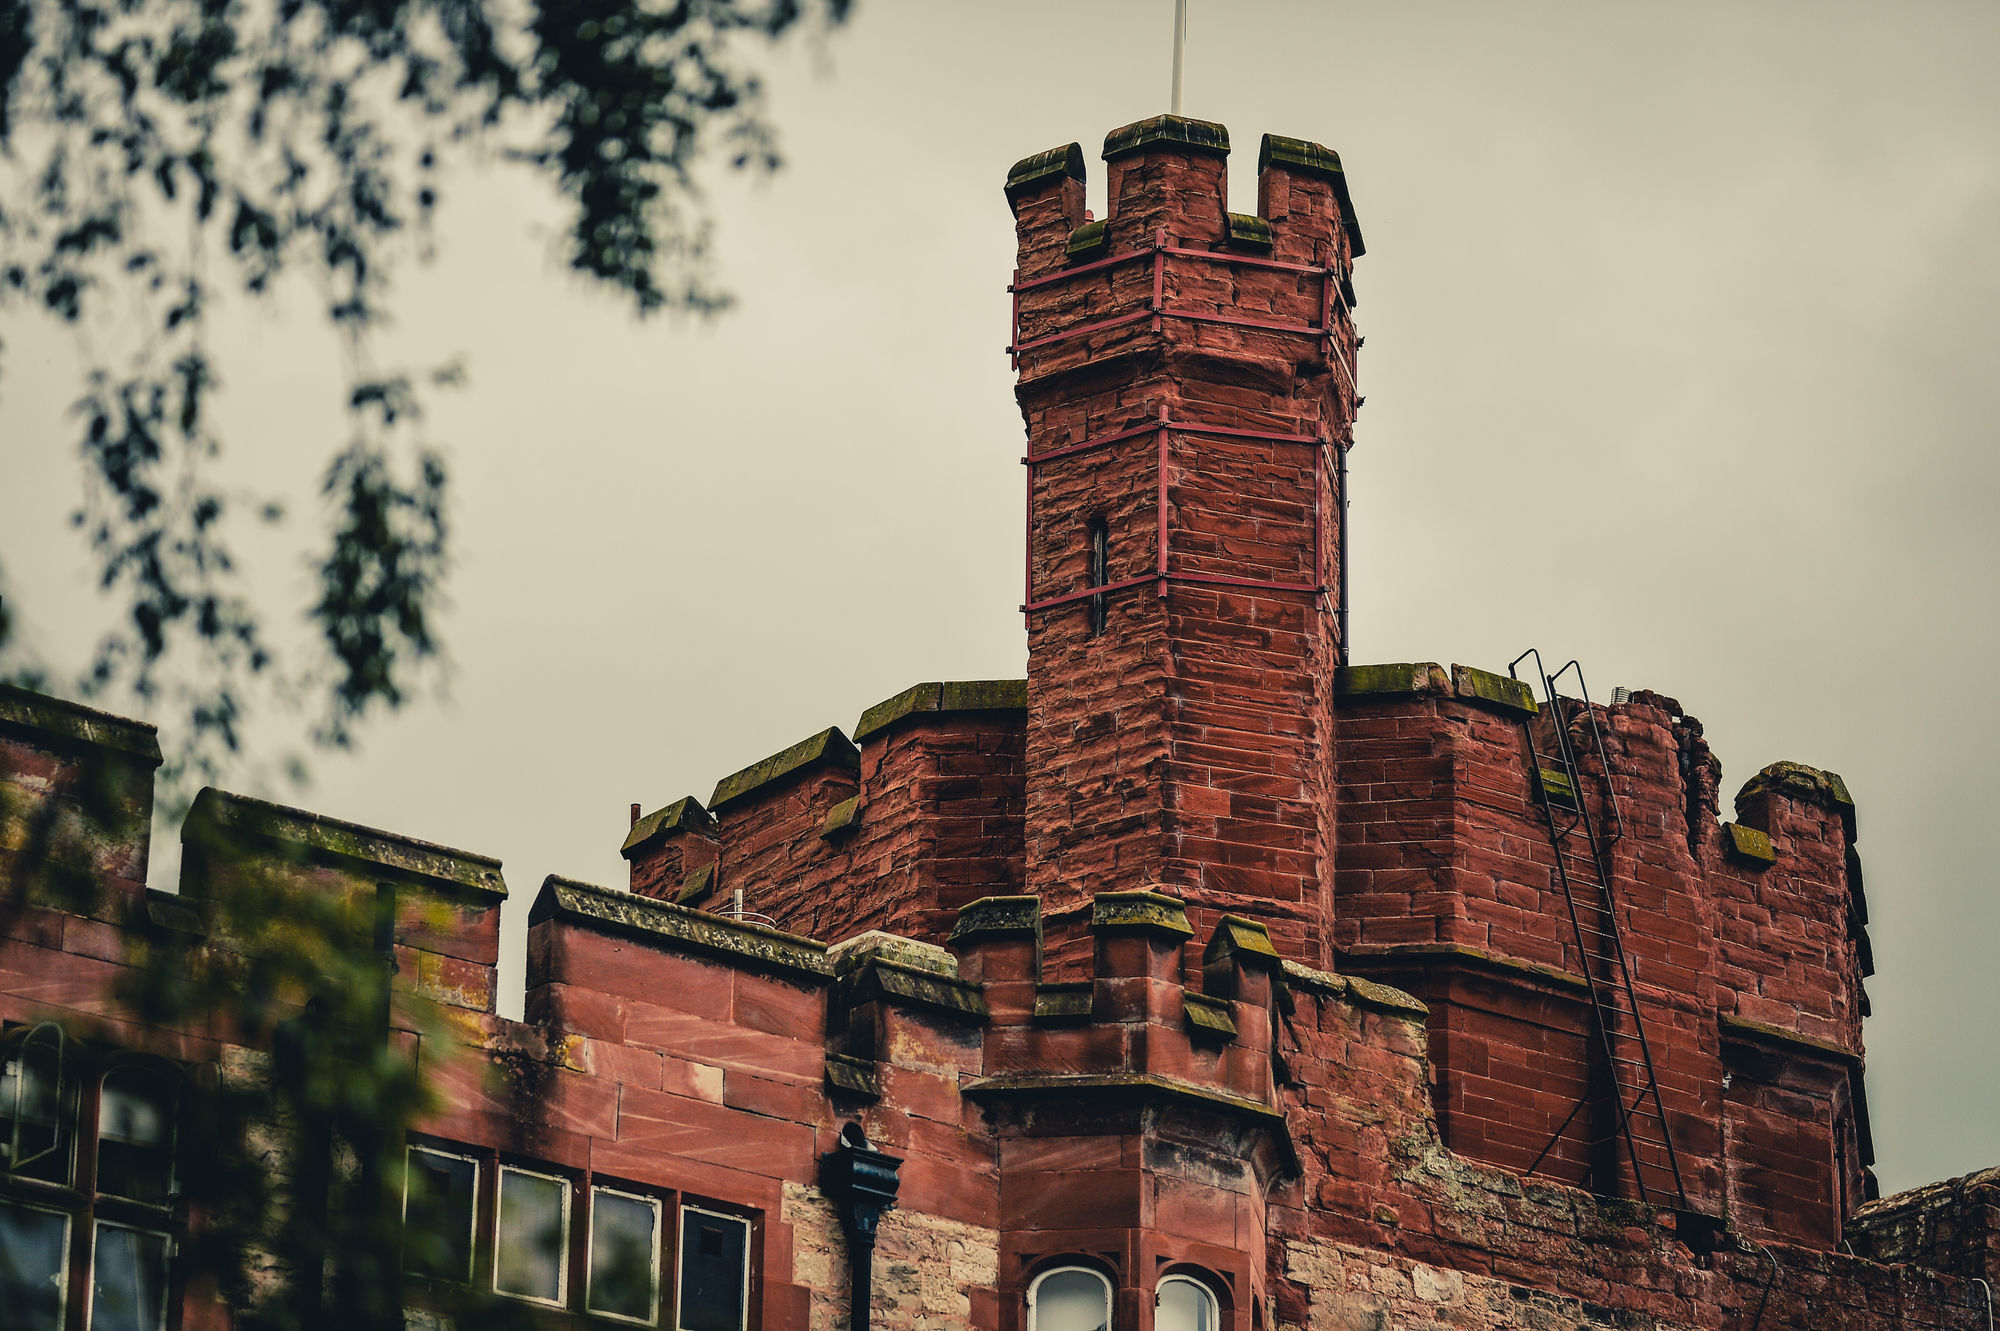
1203 980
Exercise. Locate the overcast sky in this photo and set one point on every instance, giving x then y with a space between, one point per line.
1681 334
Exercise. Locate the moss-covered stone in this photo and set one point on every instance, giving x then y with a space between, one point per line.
1326 984
1313 159
876 945
219 820
1797 781
854 1078
1757 1032
880 978
1204 136
1043 167
1142 911
1300 155
1208 1017
1555 788
1492 962
998 917
1384 998
1749 845
976 695
1087 240
1063 1003
72 724
842 818
683 815
1475 684
1398 678
1248 231
1240 942
694 888
659 924
984 695
829 748
1138 1085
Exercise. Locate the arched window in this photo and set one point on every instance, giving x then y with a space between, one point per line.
33 1142
135 1134
1183 1303
1069 1298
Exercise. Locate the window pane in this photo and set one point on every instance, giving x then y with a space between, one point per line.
30 1095
128 1288
624 1255
1184 1306
714 1249
437 1215
32 1246
534 1231
135 1140
1072 1300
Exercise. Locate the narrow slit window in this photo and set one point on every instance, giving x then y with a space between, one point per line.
135 1135
438 1192
531 1238
128 1285
34 1265
624 1255
715 1272
1099 540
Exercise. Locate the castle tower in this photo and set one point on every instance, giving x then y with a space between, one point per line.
1186 375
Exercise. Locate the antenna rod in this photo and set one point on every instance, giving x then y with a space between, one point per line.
1180 50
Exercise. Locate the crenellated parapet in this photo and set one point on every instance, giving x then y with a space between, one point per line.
1741 939
896 828
1190 1103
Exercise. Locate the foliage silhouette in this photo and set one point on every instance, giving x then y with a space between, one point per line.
157 153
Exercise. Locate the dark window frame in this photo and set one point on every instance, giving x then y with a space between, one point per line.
82 1068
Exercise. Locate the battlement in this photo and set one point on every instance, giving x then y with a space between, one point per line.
895 829
1189 1102
1743 941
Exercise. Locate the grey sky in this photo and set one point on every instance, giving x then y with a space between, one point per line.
1681 329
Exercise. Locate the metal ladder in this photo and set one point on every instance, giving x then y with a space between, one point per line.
1583 872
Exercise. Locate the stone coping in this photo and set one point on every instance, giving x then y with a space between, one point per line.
1504 691
1313 159
1800 782
1356 990
218 815
829 748
1749 845
1141 911
1208 1016
1240 941
1394 679
683 815
802 960
27 710
1204 136
1143 1085
998 917
1512 967
880 977
1409 678
1757 1032
942 698
1041 167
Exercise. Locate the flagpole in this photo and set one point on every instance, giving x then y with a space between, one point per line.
1180 50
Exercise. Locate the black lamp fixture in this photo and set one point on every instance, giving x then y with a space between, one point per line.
862 1183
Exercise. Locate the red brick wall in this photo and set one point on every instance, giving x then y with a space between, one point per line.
1186 746
1446 885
